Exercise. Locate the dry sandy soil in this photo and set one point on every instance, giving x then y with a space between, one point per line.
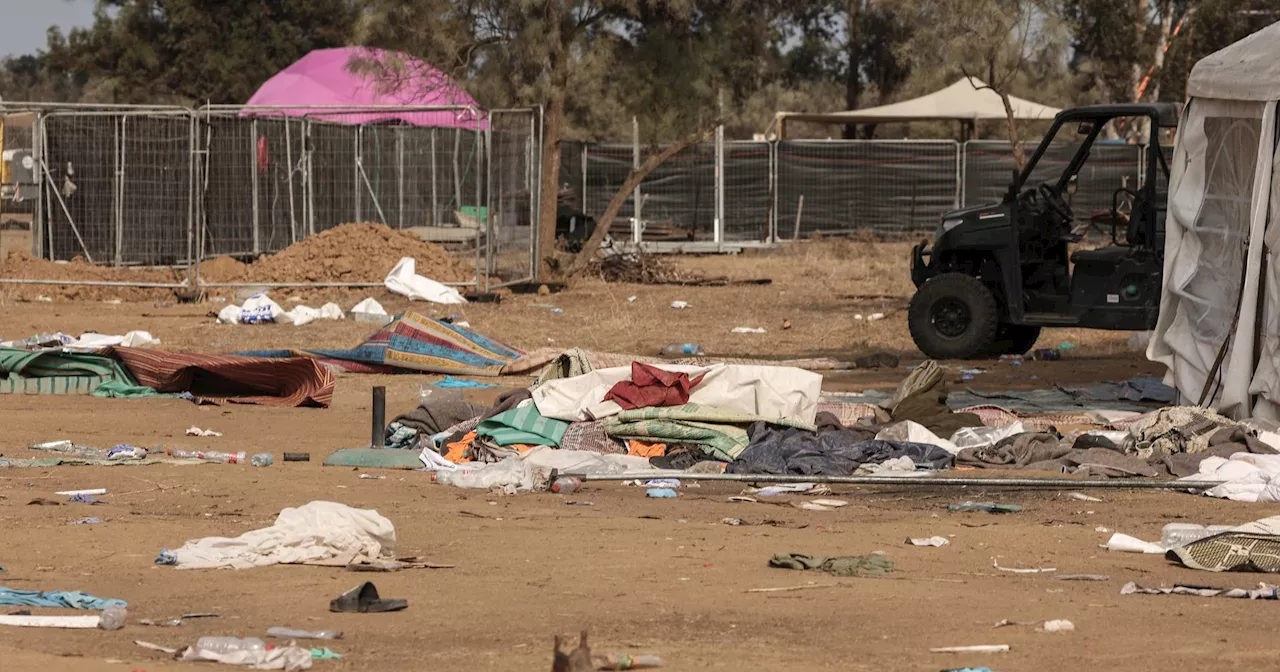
654 576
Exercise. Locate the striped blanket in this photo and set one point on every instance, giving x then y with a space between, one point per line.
217 379
415 343
56 372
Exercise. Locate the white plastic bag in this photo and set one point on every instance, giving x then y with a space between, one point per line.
405 281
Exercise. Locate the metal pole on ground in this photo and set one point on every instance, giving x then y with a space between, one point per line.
928 482
378 436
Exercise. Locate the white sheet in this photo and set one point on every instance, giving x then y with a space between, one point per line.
1249 477
324 533
766 391
404 280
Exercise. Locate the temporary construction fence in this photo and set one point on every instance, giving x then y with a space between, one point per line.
732 193
171 186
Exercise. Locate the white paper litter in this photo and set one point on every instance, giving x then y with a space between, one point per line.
679 305
260 309
91 491
820 504
1058 625
196 431
749 330
914 432
301 315
1128 544
369 306
930 541
133 339
1023 570
978 648
79 622
405 281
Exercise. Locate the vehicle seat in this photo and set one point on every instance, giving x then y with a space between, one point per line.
1108 256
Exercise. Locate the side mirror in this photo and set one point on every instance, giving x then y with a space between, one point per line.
1085 128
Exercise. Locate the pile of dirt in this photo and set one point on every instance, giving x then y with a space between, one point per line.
20 264
345 253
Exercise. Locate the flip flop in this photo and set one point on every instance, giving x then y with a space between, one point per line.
364 599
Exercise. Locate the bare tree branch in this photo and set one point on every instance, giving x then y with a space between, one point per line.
633 180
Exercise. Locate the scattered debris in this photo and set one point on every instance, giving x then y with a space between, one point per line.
983 507
290 633
73 493
749 330
363 599
1059 625
1080 496
196 431
820 504
791 588
1128 544
86 521
977 648
84 499
931 541
1082 577
1023 570
679 305
788 489
175 622
1263 592
75 622
660 493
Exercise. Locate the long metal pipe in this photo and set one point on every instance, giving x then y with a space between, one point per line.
302 285
1063 483
96 283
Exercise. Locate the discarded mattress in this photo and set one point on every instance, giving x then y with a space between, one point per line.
217 379
57 372
318 533
415 343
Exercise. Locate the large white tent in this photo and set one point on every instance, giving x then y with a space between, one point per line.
1219 326
967 100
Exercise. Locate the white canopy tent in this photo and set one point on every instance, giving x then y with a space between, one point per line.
1219 326
966 101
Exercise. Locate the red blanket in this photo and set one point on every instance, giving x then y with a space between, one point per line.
217 379
651 386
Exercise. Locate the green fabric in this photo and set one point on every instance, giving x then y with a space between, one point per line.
377 458
872 564
523 425
115 389
722 431
57 372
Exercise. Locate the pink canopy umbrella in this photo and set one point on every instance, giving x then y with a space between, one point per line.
360 77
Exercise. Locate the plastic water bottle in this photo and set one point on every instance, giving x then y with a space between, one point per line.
565 485
113 617
210 455
624 661
224 645
681 350
261 460
1177 535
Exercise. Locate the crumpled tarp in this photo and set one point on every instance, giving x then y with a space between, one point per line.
1039 451
826 453
764 392
13 597
317 533
1138 388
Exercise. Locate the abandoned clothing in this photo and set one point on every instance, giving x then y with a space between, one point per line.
829 453
872 564
651 386
523 425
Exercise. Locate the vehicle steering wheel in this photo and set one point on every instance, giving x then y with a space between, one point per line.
1055 202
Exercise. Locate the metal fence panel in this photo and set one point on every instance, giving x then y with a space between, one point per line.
155 189
748 191
989 166
509 217
840 186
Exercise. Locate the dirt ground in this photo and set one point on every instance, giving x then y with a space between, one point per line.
646 576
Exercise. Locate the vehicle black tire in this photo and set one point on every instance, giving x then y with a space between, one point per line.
1014 339
953 316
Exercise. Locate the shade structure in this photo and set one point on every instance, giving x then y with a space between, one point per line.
1219 326
324 85
965 100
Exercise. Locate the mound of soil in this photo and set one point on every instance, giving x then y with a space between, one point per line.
20 264
345 253
356 253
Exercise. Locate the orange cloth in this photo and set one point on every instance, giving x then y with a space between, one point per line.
457 451
641 449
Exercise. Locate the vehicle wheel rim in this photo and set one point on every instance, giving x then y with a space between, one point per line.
950 317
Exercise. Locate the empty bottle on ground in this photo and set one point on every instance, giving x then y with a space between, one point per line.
681 350
225 645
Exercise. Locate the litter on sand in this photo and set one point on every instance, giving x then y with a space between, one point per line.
91 491
929 541
983 507
1022 570
1262 592
196 431
977 648
1058 625
74 622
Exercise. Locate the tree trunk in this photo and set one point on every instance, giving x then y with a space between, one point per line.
633 180
549 182
1015 143
853 78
